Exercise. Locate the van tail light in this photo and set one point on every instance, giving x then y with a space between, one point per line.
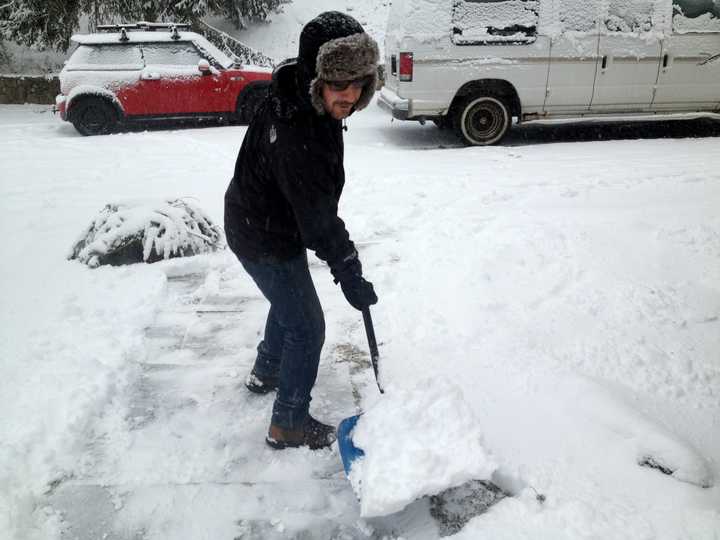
406 66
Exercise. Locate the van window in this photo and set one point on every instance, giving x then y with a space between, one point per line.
629 16
696 16
480 22
577 16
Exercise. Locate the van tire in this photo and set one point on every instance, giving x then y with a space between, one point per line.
482 119
93 116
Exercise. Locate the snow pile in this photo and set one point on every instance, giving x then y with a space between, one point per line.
672 458
417 442
522 519
650 444
136 232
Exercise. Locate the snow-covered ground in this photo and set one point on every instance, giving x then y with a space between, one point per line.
567 294
549 318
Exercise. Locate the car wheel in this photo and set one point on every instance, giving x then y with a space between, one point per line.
482 120
94 116
248 103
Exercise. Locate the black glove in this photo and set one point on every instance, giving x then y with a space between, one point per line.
346 268
348 272
359 292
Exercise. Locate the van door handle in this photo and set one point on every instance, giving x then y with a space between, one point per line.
665 61
604 62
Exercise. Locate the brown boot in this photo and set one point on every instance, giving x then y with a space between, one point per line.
313 434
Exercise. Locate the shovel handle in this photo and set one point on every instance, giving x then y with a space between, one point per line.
372 343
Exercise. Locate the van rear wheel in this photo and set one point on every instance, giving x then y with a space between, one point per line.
481 120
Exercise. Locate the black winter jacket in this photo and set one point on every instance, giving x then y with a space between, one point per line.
288 178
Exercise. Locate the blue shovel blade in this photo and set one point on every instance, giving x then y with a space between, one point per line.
348 451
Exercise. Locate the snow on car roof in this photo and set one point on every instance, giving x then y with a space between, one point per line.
153 37
114 37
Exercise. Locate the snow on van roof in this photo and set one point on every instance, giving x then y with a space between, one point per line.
153 37
428 21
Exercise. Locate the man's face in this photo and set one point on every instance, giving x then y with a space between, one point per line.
339 102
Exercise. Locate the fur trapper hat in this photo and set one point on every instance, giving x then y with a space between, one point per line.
334 47
344 59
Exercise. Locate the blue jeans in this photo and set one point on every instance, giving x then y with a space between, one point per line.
294 335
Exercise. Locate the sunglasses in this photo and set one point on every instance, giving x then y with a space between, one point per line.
340 86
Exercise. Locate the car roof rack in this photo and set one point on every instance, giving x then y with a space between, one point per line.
143 26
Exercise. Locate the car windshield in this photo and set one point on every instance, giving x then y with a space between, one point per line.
106 57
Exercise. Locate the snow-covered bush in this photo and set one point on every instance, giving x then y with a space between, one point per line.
132 232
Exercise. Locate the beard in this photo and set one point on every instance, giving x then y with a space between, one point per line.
341 109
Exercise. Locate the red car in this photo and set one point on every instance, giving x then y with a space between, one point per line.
137 73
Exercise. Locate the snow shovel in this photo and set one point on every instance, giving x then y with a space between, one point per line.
348 451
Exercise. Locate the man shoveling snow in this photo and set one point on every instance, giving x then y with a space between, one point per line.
283 200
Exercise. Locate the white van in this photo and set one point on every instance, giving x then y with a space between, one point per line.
475 64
